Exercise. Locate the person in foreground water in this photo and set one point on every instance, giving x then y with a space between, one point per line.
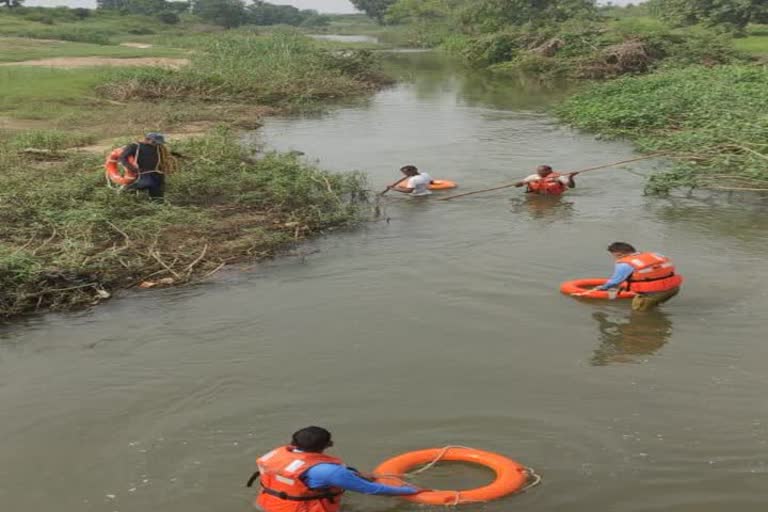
650 275
299 477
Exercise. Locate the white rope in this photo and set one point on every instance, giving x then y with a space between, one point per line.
436 459
535 478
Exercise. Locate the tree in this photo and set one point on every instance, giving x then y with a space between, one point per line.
226 13
114 5
376 9
729 13
12 3
493 15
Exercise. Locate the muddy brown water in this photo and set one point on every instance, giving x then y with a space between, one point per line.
442 326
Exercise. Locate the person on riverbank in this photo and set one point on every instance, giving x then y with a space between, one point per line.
416 184
151 160
547 182
299 477
650 275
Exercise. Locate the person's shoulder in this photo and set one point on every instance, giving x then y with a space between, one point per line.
532 177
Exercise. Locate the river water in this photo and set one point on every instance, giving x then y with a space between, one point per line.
442 326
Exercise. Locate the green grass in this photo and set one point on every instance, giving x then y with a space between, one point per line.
279 69
42 93
70 237
714 120
100 28
15 49
756 42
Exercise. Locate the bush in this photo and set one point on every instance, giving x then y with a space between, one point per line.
169 17
715 118
284 67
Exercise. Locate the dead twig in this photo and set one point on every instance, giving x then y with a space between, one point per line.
191 266
157 258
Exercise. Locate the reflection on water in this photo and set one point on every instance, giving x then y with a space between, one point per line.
539 207
624 339
438 74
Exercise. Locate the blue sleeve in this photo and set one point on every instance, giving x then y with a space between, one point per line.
335 475
621 273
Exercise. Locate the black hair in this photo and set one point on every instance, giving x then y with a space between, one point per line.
311 439
621 247
409 169
546 167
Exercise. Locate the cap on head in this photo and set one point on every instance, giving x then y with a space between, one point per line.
621 248
312 439
157 138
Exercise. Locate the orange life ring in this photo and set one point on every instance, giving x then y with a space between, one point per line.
511 477
442 185
578 286
113 167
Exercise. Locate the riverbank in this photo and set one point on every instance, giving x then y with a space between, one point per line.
70 241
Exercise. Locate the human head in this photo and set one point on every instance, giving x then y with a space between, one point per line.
155 138
621 249
312 439
409 170
544 170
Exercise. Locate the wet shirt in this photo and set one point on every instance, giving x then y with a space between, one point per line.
419 184
335 475
148 155
621 272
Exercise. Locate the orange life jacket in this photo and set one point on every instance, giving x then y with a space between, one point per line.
653 273
549 185
283 489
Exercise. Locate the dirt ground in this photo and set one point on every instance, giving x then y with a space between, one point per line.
85 62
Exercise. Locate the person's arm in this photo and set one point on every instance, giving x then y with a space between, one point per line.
567 179
128 151
523 182
335 475
621 273
404 186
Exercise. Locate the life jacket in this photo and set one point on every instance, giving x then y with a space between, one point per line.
653 273
549 185
283 489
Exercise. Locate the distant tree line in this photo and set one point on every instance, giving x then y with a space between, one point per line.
226 13
491 15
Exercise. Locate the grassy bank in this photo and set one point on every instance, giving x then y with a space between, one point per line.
713 121
282 68
69 240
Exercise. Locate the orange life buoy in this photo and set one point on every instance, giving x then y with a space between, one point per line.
442 185
511 477
112 166
579 286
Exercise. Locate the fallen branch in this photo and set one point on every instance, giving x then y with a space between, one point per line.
191 266
156 256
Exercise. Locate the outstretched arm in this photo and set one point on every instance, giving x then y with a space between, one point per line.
621 273
335 475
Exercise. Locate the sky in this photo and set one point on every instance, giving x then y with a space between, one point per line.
330 6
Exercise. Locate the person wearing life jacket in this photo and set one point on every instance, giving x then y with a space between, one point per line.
547 182
151 160
299 477
650 275
416 184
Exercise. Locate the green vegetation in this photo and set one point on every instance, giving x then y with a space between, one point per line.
755 42
15 49
723 14
279 69
69 240
713 121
